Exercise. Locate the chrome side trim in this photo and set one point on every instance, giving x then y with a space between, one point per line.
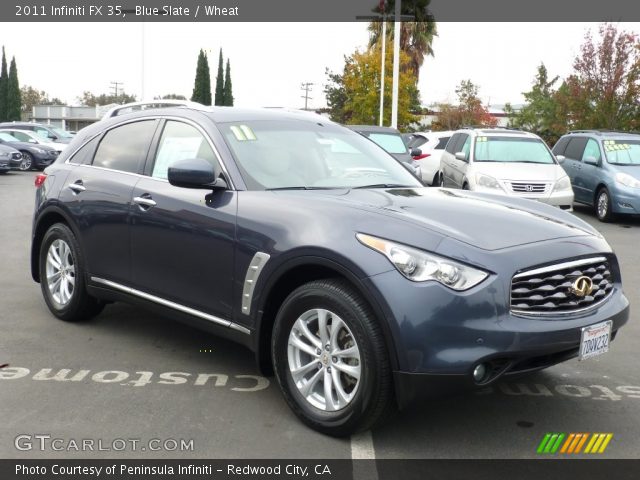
560 266
258 262
175 306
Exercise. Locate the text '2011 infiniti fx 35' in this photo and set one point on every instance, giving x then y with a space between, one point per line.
360 289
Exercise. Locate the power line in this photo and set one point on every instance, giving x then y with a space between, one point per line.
306 87
114 88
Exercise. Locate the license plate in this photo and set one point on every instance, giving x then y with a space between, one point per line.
594 340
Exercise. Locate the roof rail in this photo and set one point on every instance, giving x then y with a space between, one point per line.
601 131
489 127
136 106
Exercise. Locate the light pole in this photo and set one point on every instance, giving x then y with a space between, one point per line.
396 66
383 63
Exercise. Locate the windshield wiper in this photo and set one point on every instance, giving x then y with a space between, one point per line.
303 188
386 185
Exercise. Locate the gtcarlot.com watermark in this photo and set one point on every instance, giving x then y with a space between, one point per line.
47 443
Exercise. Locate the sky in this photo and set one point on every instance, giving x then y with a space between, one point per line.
270 61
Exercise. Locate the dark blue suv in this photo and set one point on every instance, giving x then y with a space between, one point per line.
310 245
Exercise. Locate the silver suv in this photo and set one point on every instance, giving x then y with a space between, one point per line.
506 162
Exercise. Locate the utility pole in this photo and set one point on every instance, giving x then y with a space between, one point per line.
396 67
306 87
114 88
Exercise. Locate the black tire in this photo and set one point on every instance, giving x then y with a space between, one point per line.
80 305
465 186
603 211
373 399
436 180
27 162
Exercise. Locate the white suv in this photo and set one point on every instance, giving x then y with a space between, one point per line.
505 161
431 144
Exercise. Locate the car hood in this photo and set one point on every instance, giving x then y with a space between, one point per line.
633 170
489 222
525 172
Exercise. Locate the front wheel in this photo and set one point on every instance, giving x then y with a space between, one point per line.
62 276
603 205
27 162
330 359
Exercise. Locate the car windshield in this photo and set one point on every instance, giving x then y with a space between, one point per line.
61 133
512 150
310 155
7 137
391 142
622 152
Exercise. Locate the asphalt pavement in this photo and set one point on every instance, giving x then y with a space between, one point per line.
132 384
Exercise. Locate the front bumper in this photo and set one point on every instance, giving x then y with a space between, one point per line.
44 160
562 199
440 336
625 200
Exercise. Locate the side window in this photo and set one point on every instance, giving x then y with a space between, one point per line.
42 133
442 143
463 142
417 142
125 148
591 150
451 144
84 156
560 146
180 141
575 148
23 137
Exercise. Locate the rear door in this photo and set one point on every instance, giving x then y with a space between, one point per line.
460 167
446 161
98 192
182 240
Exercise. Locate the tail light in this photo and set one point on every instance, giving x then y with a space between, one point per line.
40 178
420 157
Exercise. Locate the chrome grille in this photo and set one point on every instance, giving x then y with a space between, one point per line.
549 290
527 187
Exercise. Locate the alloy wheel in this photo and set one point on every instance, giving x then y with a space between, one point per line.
603 204
324 360
61 272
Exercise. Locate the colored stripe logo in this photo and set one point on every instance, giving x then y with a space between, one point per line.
574 443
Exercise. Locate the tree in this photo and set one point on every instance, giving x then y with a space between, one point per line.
357 90
91 100
4 85
202 83
469 110
171 96
416 38
14 101
605 84
227 90
542 114
219 98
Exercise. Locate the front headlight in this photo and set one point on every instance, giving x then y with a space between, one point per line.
627 180
563 184
485 181
39 150
420 266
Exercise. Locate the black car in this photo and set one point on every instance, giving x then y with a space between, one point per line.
33 156
307 243
393 142
10 158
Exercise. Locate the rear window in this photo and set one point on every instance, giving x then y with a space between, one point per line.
391 143
575 148
442 143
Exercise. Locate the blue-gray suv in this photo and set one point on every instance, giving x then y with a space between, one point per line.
604 168
300 239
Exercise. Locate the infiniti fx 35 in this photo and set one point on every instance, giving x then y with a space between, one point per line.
357 287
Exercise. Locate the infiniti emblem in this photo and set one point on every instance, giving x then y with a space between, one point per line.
582 286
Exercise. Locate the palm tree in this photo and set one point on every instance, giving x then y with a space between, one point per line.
415 37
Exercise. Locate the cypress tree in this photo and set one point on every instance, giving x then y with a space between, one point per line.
228 89
219 100
4 83
202 83
14 97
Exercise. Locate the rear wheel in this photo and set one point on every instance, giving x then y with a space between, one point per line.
62 276
603 205
27 161
330 359
436 180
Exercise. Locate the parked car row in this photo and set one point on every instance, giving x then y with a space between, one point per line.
596 168
25 145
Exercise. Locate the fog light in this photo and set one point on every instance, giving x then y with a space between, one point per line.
479 372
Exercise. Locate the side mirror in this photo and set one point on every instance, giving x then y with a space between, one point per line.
33 140
415 152
590 160
461 156
194 173
560 158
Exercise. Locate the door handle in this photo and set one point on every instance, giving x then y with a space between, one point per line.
144 203
77 187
